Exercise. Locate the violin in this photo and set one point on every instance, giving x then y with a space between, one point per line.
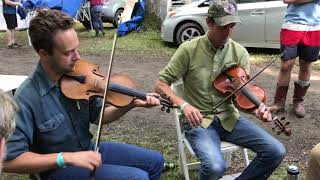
249 96
86 80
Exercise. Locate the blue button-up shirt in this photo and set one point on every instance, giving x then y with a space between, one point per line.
48 122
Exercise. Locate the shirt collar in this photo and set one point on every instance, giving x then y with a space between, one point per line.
44 83
211 48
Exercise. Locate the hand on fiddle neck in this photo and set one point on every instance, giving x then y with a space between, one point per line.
152 99
263 113
193 115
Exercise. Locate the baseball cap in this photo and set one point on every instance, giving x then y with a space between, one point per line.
224 12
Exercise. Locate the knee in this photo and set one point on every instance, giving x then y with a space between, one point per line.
213 168
156 167
286 66
140 175
277 152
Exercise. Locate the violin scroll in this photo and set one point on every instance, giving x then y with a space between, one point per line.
282 126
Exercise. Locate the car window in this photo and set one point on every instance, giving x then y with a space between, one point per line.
205 3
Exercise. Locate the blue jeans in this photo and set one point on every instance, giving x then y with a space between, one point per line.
119 162
206 145
96 14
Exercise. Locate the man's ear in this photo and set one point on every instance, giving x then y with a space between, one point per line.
43 54
208 21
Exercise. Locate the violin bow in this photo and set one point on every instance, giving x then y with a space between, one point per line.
96 146
239 88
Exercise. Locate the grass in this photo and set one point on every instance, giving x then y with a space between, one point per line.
147 42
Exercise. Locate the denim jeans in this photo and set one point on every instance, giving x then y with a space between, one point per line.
96 14
119 162
206 145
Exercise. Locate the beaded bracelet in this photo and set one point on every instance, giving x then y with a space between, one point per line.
60 160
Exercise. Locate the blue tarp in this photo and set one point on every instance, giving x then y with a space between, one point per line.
137 17
68 6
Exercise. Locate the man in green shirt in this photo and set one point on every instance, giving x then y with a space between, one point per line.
198 63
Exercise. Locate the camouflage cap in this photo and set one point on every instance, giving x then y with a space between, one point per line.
224 12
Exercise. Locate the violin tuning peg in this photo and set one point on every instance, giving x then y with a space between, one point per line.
168 110
273 128
287 123
282 118
278 132
163 108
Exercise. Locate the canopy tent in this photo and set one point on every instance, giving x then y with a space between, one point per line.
137 17
70 7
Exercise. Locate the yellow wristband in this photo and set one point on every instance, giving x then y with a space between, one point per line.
181 107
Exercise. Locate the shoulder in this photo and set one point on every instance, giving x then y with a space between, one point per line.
26 92
237 46
192 45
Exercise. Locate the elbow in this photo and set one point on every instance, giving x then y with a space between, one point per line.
159 86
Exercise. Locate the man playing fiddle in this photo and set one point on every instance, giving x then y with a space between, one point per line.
198 62
52 136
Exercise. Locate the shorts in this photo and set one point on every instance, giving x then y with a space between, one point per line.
11 20
300 40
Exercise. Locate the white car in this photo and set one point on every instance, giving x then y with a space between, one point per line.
260 27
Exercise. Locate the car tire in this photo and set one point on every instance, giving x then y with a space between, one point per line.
187 32
116 18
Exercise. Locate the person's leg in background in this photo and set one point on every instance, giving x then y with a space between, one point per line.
94 18
308 53
9 38
289 48
313 170
11 21
99 19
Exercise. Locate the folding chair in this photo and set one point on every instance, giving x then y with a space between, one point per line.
226 147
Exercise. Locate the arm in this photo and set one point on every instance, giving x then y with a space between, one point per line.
192 114
297 1
30 162
12 3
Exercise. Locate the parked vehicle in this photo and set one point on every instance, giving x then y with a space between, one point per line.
260 27
112 10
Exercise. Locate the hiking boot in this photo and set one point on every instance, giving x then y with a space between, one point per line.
97 34
279 99
298 95
16 45
11 46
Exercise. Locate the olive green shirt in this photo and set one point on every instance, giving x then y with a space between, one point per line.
198 64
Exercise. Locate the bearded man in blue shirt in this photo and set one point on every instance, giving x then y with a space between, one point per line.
52 136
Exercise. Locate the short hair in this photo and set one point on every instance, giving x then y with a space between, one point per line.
44 26
8 109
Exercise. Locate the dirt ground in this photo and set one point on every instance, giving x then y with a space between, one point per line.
142 123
